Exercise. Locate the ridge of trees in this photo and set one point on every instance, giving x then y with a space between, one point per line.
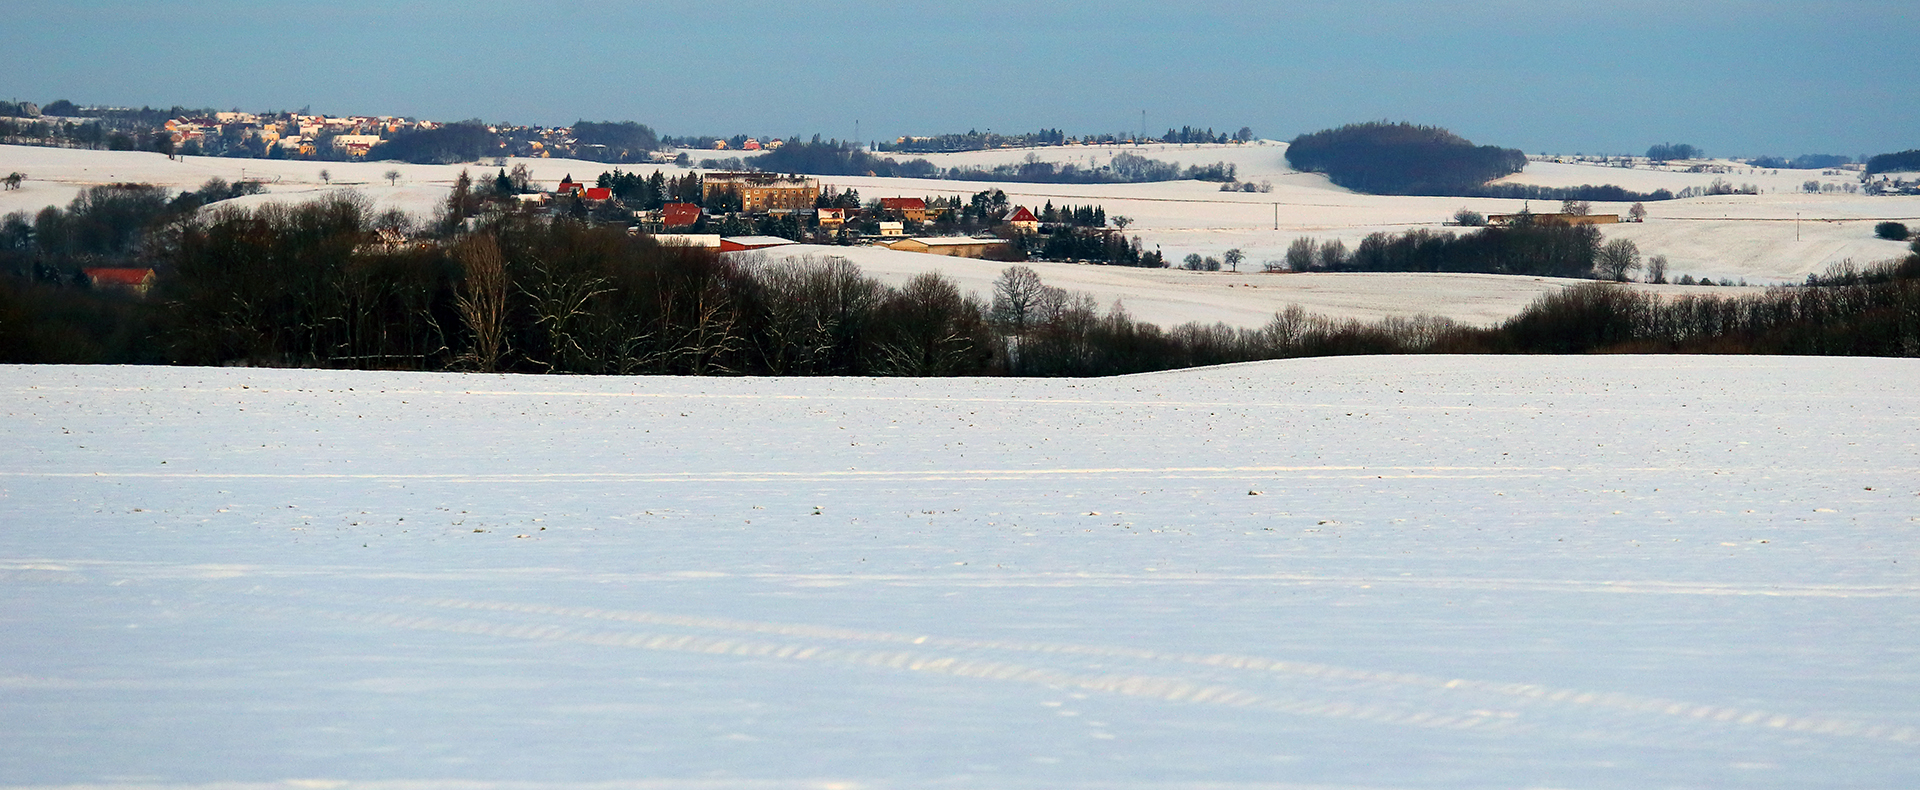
835 158
1401 159
1899 162
453 143
1667 152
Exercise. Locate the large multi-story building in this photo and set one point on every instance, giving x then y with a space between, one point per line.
764 191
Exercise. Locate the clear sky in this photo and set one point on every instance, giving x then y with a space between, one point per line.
1735 77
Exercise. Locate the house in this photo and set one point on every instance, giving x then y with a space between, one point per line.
126 280
770 192
1553 219
356 145
908 209
1023 220
955 246
598 194
750 145
893 229
679 215
832 217
739 243
568 187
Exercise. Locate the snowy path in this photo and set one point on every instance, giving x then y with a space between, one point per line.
1372 572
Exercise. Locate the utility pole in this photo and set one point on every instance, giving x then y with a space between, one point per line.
1796 226
1276 216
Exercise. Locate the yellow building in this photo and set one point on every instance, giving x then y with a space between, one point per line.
955 246
764 191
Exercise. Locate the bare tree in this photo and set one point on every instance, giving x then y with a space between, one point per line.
1638 213
1617 258
482 301
1333 254
1578 208
1121 222
1234 257
14 178
1657 269
1018 298
326 177
392 177
1302 253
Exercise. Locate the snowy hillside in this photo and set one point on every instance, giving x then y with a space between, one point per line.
1431 572
1780 235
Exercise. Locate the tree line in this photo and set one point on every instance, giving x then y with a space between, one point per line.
321 285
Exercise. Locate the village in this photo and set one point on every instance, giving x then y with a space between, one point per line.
738 211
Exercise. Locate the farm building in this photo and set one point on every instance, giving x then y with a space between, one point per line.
955 246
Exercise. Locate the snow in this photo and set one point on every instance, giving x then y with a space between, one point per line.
1417 572
1778 236
1249 299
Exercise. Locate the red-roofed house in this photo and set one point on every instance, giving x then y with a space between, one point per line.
133 281
599 193
567 187
1023 220
909 209
679 215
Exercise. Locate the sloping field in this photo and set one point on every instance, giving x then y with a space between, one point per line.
1427 572
1778 236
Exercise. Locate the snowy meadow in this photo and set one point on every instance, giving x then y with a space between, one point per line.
1432 572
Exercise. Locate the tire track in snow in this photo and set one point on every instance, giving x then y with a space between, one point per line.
1156 687
1310 472
1411 697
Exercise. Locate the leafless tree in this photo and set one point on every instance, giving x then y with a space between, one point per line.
392 177
1657 269
1617 258
1333 254
1578 208
482 301
1018 297
1302 253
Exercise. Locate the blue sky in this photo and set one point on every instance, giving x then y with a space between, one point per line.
1736 77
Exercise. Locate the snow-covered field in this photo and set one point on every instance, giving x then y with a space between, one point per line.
1419 572
1780 235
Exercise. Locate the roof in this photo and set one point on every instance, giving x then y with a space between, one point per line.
599 193
897 204
952 241
1021 214
118 276
679 214
753 242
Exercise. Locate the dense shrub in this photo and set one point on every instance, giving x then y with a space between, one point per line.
1892 231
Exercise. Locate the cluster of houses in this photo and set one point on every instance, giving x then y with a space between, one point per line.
792 196
294 133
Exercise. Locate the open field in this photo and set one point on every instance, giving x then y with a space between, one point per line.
1778 236
1412 572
